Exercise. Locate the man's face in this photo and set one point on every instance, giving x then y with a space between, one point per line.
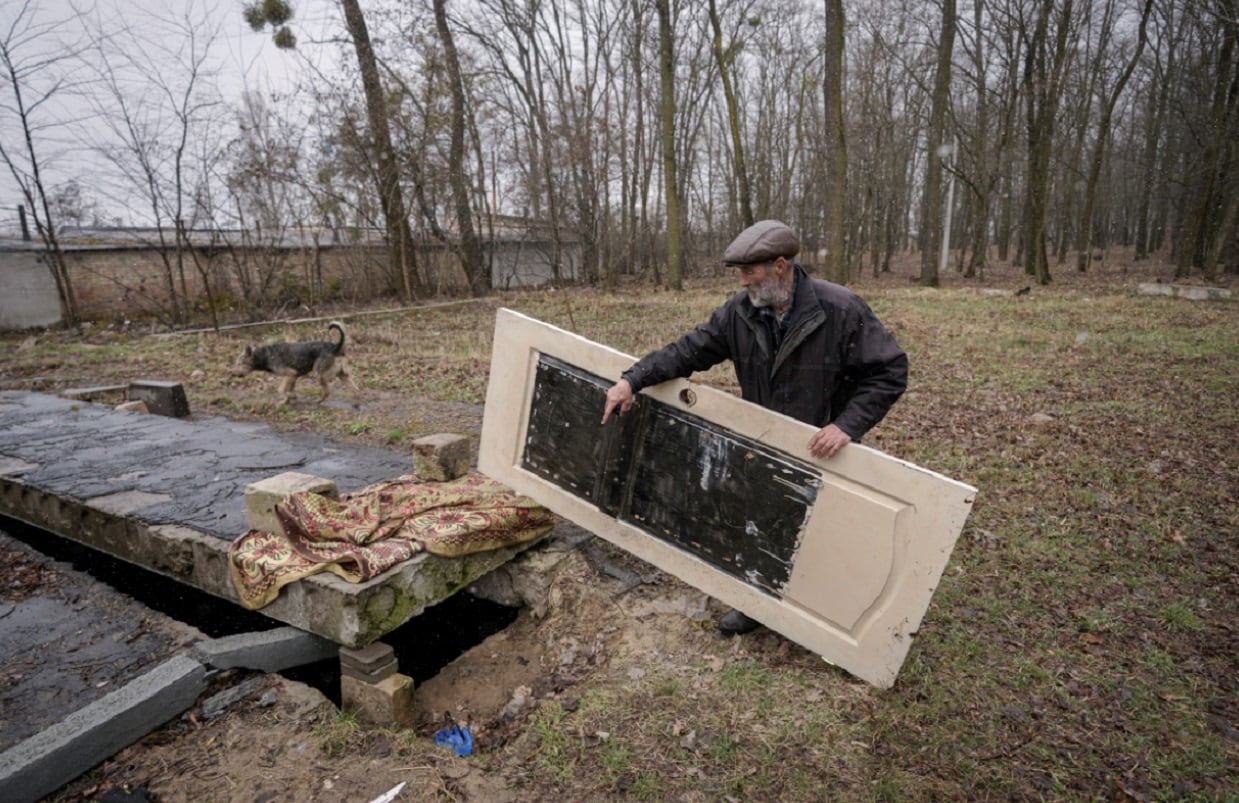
765 284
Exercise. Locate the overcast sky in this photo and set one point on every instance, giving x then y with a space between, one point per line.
245 59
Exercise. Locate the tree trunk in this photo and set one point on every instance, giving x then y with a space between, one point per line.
1084 229
1225 230
724 59
1196 228
979 226
391 197
1043 84
1159 96
931 220
666 115
470 247
32 188
836 147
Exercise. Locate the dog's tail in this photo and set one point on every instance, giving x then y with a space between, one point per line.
339 328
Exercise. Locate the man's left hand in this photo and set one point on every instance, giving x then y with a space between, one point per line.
827 441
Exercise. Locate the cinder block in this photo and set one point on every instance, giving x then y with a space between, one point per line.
442 457
134 407
261 497
388 702
162 398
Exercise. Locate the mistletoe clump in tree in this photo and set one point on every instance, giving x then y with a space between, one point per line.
275 13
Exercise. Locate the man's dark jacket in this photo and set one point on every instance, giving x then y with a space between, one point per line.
836 362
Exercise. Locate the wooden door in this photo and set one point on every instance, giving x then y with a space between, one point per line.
841 556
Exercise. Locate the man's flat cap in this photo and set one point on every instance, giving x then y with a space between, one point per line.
764 241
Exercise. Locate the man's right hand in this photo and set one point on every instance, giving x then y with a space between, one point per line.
620 395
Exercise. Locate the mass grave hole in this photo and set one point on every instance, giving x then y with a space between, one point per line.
423 646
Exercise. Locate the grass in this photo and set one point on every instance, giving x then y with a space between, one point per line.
1082 643
336 735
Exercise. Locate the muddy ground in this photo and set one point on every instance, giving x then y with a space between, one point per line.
605 616
1081 646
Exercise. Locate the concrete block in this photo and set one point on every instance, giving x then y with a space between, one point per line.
371 674
388 702
371 663
261 497
162 398
92 393
134 407
266 651
442 457
43 763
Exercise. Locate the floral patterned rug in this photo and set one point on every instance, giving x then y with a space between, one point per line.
367 532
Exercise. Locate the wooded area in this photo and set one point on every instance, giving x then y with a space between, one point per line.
1046 133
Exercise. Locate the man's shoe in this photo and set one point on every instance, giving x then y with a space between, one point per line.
733 623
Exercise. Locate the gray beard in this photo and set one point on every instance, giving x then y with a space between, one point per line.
770 293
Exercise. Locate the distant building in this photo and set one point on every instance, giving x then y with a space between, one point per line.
129 272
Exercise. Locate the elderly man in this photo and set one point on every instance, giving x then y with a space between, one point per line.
801 346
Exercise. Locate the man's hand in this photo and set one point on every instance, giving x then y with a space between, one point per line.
620 395
826 442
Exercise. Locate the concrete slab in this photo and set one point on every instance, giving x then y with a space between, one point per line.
93 393
70 641
52 757
841 556
68 645
1192 292
267 650
168 494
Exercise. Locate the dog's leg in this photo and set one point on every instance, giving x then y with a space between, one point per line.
345 374
322 380
286 388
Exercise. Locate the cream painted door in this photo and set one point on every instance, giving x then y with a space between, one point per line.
840 556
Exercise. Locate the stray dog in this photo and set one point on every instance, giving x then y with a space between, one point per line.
322 358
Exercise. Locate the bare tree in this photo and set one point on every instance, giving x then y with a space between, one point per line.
512 35
1048 54
276 13
976 140
937 148
267 193
636 160
725 56
666 119
391 196
1213 206
836 146
1157 89
39 59
476 269
883 113
1084 237
160 105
